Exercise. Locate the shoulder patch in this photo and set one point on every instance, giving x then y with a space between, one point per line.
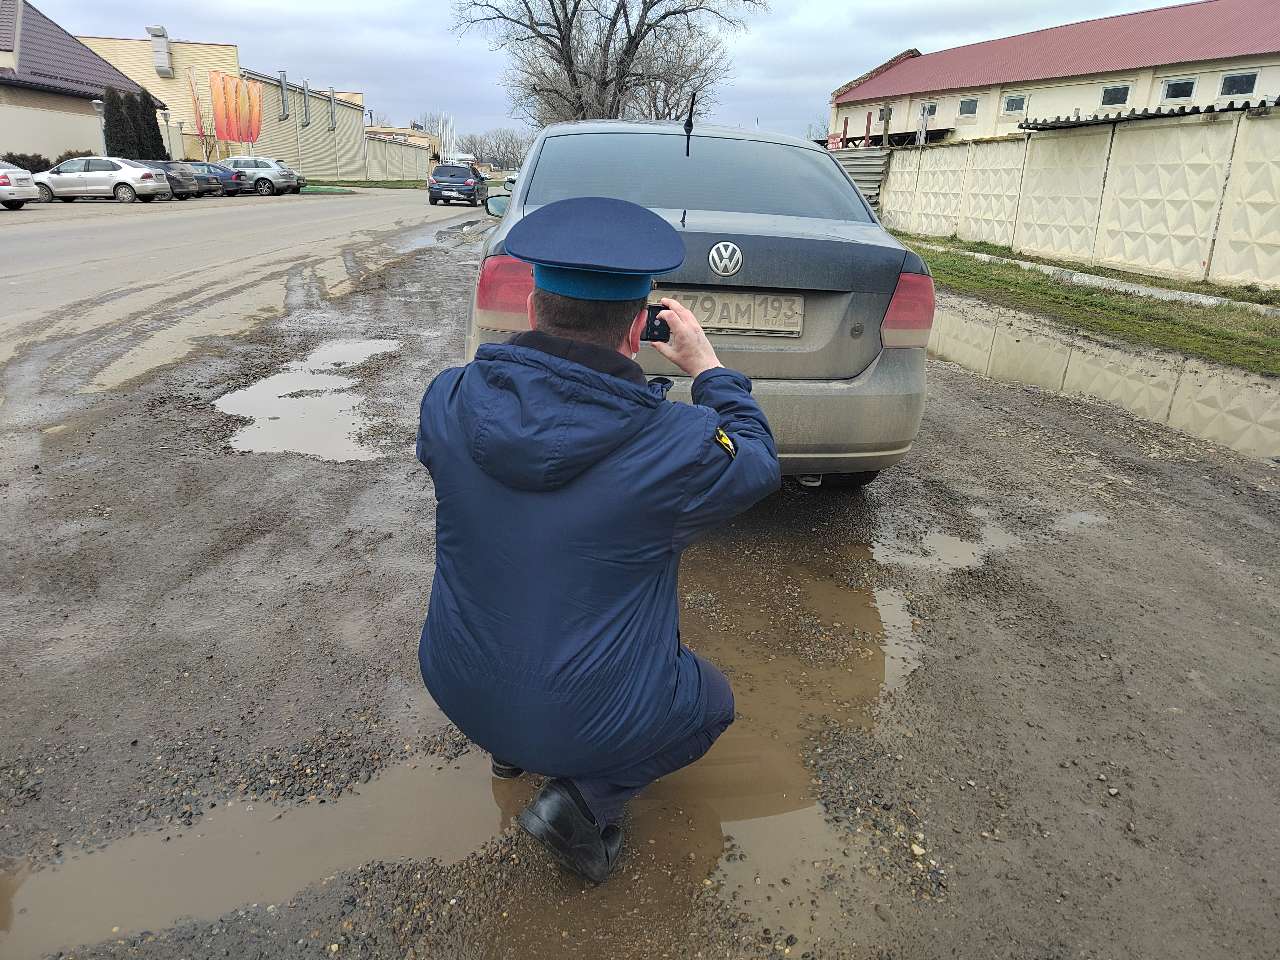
726 443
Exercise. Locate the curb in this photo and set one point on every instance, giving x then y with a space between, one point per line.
1230 407
1082 279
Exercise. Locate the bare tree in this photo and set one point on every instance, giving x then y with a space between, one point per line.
381 119
583 59
506 147
671 71
474 144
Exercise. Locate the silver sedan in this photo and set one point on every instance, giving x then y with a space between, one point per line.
125 180
16 187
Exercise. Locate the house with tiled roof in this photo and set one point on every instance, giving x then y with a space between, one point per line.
1192 55
48 82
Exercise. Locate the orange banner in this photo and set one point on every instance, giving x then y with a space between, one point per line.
237 107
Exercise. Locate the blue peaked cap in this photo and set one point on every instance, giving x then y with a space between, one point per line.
595 248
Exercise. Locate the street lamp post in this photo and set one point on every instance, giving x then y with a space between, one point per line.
168 130
182 142
102 127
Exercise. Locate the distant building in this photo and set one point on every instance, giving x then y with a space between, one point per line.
48 82
407 135
319 132
1195 54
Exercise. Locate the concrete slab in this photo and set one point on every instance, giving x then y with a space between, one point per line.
1238 410
1143 385
1020 353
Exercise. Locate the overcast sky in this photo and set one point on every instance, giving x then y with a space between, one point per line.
404 58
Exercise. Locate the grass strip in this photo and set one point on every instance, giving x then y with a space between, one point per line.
1235 336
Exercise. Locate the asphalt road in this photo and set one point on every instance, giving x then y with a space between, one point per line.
155 277
1019 699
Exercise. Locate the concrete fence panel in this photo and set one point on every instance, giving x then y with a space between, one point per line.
1163 193
897 198
940 190
1062 193
1247 249
991 187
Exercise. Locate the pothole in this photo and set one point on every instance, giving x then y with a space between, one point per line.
308 407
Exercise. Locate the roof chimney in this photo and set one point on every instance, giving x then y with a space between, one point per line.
160 51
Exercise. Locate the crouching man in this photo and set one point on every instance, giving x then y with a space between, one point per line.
567 488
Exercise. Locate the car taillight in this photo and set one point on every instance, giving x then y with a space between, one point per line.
909 318
4 180
147 176
470 183
502 293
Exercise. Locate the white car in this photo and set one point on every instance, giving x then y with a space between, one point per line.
102 177
16 187
264 175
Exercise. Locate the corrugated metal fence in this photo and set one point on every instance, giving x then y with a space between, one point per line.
867 168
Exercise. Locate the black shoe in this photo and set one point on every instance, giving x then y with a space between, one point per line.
505 771
555 818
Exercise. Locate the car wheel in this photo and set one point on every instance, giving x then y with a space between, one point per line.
147 199
264 187
849 481
46 195
181 196
12 204
475 201
125 193
434 202
67 199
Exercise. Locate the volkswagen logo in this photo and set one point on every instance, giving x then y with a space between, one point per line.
725 258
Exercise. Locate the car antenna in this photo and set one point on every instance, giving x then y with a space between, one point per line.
688 123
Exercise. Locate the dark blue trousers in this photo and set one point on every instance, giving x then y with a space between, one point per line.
607 796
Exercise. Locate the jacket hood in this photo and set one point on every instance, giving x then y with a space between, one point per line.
536 421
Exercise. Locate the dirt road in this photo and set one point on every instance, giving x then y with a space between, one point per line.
1020 699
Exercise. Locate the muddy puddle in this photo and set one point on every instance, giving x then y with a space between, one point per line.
804 636
309 407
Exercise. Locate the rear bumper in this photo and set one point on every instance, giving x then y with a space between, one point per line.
150 188
26 191
843 426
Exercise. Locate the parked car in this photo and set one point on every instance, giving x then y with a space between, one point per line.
302 182
126 180
456 181
181 177
207 182
232 181
16 187
786 267
265 175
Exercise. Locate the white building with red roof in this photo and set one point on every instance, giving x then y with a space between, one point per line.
1205 54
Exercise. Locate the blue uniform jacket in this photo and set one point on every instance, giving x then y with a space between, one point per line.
565 497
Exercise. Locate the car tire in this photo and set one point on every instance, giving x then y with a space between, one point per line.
264 187
181 196
475 201
46 194
67 199
434 202
849 481
12 204
125 193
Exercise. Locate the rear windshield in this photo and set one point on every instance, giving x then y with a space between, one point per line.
452 172
739 176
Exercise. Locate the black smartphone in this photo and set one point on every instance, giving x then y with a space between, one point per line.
655 329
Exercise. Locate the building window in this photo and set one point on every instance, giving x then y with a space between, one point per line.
1015 104
1116 96
969 107
929 109
1239 84
1181 89
885 114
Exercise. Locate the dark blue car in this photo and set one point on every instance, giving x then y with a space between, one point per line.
450 182
233 181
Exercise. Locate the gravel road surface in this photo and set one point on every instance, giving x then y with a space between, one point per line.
1021 698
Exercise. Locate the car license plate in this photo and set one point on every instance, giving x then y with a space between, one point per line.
763 314
452 193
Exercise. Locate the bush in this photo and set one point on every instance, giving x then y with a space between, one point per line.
35 162
71 155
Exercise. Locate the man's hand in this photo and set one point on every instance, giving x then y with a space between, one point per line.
689 349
